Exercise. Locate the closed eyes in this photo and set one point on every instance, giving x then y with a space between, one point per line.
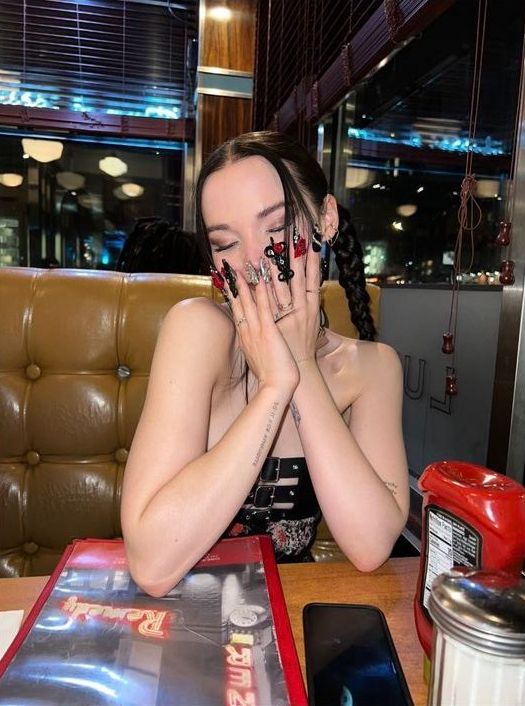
227 246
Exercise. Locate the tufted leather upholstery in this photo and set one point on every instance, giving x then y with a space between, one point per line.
75 353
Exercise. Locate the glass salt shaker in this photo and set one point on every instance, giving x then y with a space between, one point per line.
478 651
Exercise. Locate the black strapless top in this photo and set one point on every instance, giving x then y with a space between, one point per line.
283 505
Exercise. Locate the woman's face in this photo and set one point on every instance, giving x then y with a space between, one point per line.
242 207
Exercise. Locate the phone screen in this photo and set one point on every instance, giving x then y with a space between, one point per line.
350 658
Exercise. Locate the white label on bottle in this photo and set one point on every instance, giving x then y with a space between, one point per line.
450 542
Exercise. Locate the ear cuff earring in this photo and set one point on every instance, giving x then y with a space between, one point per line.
334 237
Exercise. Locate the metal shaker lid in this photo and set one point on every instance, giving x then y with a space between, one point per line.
482 609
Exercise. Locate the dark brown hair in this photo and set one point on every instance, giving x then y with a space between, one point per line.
303 182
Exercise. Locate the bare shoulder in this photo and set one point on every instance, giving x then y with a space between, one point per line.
375 358
378 366
363 364
197 315
198 307
196 335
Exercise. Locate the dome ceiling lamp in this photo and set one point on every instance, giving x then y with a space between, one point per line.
71 181
113 166
42 150
11 180
131 190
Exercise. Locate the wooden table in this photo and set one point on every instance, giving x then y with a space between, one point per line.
391 588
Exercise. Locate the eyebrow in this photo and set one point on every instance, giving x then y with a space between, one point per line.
262 214
270 209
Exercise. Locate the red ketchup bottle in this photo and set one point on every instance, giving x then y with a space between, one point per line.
471 517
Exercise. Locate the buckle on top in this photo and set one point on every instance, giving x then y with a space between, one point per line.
263 497
270 470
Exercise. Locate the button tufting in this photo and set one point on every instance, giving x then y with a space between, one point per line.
30 547
33 458
123 372
121 455
33 371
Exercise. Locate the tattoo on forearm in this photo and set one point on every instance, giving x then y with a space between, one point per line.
295 413
267 431
392 487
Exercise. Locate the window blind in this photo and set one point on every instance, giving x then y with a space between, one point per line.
121 57
311 52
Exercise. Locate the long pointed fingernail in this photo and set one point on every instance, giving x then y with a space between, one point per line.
265 270
217 279
252 275
229 274
299 244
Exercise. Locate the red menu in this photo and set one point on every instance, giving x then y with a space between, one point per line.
221 636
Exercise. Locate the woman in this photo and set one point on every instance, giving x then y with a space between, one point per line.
257 417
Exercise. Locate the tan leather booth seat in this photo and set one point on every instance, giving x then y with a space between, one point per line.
75 354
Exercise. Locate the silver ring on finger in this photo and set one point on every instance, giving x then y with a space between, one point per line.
285 307
317 292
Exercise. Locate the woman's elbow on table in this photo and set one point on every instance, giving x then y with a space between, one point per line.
154 586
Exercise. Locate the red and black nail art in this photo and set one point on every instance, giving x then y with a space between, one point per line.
230 277
217 279
278 252
299 244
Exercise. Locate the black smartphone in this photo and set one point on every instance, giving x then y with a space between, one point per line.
350 657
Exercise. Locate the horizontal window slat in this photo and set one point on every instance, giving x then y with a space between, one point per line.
110 52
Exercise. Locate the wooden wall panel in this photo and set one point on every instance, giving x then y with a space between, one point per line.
223 118
230 45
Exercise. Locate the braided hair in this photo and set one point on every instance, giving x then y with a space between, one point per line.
305 186
349 260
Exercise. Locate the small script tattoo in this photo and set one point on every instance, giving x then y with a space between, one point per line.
267 430
295 413
392 487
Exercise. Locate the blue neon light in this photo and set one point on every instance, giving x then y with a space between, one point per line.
488 147
150 107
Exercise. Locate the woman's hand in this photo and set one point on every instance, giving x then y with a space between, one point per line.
267 353
297 302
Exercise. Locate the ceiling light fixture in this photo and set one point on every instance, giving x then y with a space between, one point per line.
120 194
358 177
42 150
406 209
11 180
132 190
71 180
221 13
113 166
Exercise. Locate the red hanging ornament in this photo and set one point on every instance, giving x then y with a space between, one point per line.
503 237
507 272
451 386
448 343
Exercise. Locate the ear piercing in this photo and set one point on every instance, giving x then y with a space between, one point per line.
278 252
331 241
